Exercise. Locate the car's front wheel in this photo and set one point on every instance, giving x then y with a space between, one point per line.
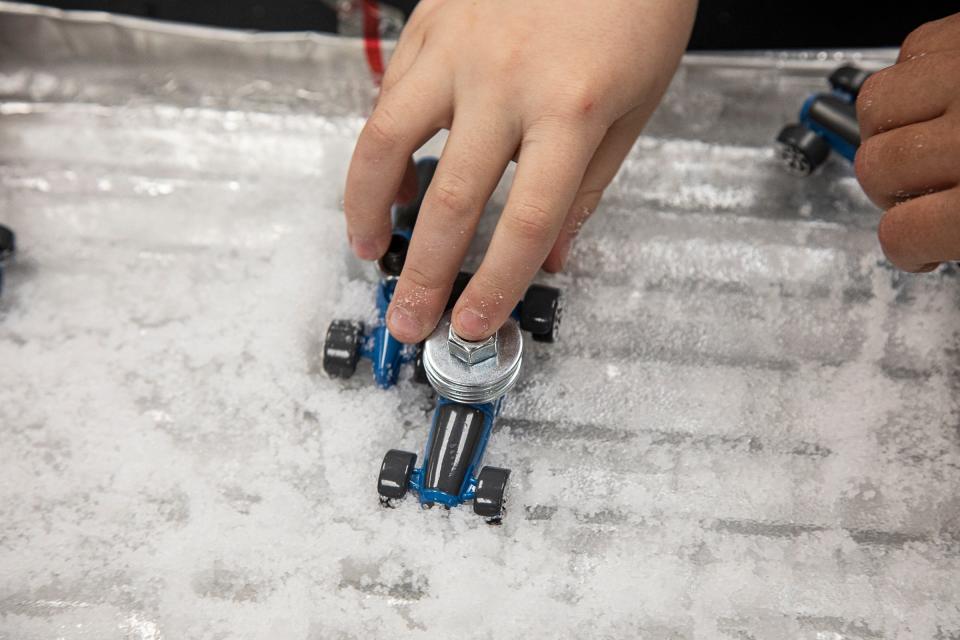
341 348
540 312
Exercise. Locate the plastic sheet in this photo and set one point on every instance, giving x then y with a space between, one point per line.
748 429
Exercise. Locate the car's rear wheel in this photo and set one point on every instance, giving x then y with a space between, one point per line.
459 284
848 79
341 348
802 150
395 475
490 498
8 242
541 312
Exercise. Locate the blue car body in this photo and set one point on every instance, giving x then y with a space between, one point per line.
386 353
443 479
839 144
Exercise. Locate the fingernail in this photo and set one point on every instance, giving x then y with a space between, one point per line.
404 325
364 249
473 324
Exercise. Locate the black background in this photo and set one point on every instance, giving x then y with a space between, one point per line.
721 24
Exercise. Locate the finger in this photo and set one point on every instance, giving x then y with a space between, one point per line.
600 172
938 35
551 167
404 55
404 119
473 160
909 161
918 234
906 93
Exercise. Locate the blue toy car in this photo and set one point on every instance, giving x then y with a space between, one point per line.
347 341
471 386
827 121
469 399
8 245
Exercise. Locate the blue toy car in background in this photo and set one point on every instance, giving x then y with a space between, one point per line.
827 121
8 245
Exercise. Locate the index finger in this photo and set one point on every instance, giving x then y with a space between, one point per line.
550 168
403 120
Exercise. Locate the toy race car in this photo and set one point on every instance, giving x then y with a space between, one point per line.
827 121
471 379
347 340
8 245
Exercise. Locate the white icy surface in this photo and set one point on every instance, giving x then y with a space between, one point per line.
748 430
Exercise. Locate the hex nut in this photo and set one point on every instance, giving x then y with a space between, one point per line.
469 351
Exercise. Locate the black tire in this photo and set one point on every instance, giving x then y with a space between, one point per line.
490 499
394 479
407 214
8 242
419 372
540 313
391 263
848 79
802 150
341 348
463 279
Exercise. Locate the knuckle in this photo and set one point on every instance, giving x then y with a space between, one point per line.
916 41
865 166
890 233
451 195
415 277
575 106
490 290
531 221
383 130
866 99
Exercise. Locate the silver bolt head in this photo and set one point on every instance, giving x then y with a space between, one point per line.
469 351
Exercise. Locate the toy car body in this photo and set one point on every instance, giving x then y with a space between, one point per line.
8 245
827 121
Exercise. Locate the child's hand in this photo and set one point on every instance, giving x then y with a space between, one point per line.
909 162
565 86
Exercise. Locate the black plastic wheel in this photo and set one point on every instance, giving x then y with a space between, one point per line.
541 312
407 214
801 149
419 372
490 498
395 474
463 279
8 242
848 79
341 348
391 263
